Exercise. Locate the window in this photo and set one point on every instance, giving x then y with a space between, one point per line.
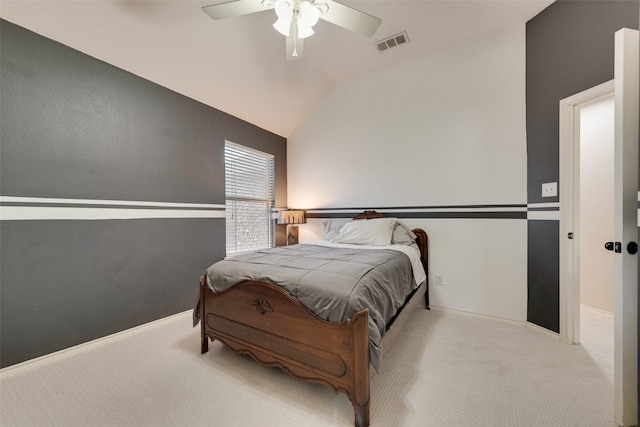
250 197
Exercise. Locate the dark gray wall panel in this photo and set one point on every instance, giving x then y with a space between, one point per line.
543 270
67 282
569 48
74 127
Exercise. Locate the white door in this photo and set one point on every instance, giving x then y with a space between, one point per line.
626 228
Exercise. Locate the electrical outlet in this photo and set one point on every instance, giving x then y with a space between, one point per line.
439 280
549 189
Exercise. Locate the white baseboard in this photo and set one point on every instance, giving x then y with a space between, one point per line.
528 325
480 316
596 310
543 331
47 358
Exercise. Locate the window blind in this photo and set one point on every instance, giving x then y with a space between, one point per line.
250 198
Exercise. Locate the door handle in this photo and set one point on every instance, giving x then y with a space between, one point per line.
614 246
632 248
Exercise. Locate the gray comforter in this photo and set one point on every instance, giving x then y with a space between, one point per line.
332 282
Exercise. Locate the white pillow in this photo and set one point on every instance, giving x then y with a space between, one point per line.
375 232
402 235
332 227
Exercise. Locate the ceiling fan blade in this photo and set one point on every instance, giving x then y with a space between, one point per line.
350 18
235 8
295 48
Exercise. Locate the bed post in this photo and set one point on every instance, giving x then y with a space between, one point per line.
423 244
204 341
360 394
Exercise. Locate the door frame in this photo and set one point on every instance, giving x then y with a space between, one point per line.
570 207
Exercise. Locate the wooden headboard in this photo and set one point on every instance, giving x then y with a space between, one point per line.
369 215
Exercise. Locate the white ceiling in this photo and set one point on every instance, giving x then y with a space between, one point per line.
238 65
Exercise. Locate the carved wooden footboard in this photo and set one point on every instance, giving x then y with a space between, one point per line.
266 322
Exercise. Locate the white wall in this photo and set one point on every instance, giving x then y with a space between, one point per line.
596 204
445 129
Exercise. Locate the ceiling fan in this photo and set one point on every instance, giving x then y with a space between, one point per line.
296 18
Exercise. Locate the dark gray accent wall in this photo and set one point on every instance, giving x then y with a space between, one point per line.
569 48
543 302
67 282
74 127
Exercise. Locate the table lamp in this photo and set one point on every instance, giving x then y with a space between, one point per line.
292 217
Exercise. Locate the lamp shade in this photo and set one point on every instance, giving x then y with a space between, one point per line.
292 216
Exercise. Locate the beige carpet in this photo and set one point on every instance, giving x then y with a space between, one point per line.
446 369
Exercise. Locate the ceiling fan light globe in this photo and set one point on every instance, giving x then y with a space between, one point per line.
284 9
309 14
304 31
282 26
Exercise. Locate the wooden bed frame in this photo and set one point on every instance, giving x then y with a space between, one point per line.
266 322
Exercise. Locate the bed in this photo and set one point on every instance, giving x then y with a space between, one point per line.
271 323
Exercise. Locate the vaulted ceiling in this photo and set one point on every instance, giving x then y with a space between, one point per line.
238 65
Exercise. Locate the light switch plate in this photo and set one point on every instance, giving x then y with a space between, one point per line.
549 189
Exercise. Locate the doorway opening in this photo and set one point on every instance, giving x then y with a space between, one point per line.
596 146
596 150
586 205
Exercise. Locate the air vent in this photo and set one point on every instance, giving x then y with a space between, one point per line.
393 41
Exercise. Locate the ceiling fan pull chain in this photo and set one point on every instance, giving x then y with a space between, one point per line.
294 31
